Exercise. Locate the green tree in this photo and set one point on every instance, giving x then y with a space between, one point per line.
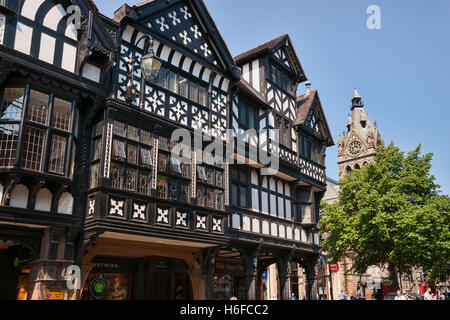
391 213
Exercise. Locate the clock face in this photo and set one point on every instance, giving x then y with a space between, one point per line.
355 148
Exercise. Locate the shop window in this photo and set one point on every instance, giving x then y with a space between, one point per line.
119 129
95 175
61 114
146 157
119 150
33 148
133 133
130 180
116 175
132 154
161 187
145 182
38 107
201 173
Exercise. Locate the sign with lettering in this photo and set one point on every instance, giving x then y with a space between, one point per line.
98 288
53 294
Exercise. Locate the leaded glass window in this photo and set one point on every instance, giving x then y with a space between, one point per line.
9 140
57 154
61 114
130 180
146 157
12 104
38 107
132 154
119 149
33 148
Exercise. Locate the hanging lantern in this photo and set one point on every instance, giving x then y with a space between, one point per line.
150 65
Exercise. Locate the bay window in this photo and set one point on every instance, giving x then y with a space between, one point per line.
49 123
210 191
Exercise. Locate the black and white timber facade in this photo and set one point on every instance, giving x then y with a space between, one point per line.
87 176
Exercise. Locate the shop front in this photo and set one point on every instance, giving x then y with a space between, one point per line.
229 279
152 278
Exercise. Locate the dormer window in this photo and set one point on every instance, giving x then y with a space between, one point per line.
280 79
363 124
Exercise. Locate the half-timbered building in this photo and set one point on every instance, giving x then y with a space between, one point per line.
88 175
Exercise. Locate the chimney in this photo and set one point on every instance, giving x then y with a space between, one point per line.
308 88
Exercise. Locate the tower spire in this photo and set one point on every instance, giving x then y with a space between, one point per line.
357 100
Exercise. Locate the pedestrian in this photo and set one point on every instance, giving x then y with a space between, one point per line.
441 295
293 297
428 295
304 297
342 295
400 296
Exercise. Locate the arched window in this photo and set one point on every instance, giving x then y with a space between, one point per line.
357 167
349 169
43 200
19 197
65 204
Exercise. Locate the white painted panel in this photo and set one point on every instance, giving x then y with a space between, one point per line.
206 75
2 27
246 223
128 33
272 184
225 84
287 190
197 69
264 203
165 53
71 32
255 199
254 177
24 35
236 221
274 229
216 81
141 38
316 239
280 189
273 205
69 57
256 226
282 230
43 200
297 235
288 209
255 72
91 72
289 234
281 207
265 183
65 204
176 59
246 72
47 49
265 229
303 236
30 7
187 64
54 16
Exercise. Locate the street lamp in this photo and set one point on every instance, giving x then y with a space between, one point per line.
150 66
150 63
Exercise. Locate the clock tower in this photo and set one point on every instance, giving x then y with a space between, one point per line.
357 144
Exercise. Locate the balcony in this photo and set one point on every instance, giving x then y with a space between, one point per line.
312 170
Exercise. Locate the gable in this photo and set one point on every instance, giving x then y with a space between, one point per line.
48 31
282 58
310 115
284 53
178 21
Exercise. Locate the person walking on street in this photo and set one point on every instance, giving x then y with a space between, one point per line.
293 297
342 295
400 296
428 295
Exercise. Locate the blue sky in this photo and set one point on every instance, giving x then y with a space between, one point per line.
402 71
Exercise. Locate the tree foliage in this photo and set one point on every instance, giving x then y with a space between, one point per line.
390 212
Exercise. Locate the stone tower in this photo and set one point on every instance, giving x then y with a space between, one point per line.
357 145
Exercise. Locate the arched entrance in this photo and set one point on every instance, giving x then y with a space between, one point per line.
15 266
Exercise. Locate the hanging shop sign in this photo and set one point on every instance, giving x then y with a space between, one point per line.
98 288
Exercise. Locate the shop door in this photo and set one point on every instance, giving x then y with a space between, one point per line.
160 286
